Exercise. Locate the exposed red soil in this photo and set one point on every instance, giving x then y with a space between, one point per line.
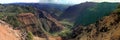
7 33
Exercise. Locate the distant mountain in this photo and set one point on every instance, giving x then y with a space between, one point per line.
54 9
73 11
88 12
43 6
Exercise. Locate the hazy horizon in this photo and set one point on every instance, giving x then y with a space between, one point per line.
55 1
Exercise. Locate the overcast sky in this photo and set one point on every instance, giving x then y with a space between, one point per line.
56 1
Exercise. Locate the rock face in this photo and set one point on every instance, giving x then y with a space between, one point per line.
48 21
37 23
7 33
106 29
28 20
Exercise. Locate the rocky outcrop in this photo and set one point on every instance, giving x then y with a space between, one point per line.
28 20
48 21
7 33
107 28
40 22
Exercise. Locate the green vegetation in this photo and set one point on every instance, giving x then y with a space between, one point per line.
57 12
117 10
64 33
29 36
9 13
66 23
16 9
10 18
95 13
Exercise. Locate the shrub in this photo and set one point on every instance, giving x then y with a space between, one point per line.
29 36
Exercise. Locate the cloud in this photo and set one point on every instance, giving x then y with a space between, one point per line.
43 1
56 1
12 1
63 1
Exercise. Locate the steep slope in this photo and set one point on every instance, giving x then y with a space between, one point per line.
95 13
7 33
39 23
73 11
107 28
52 22
81 13
31 21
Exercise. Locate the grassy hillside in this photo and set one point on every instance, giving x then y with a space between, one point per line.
92 14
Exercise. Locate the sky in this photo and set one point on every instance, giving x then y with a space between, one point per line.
56 1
